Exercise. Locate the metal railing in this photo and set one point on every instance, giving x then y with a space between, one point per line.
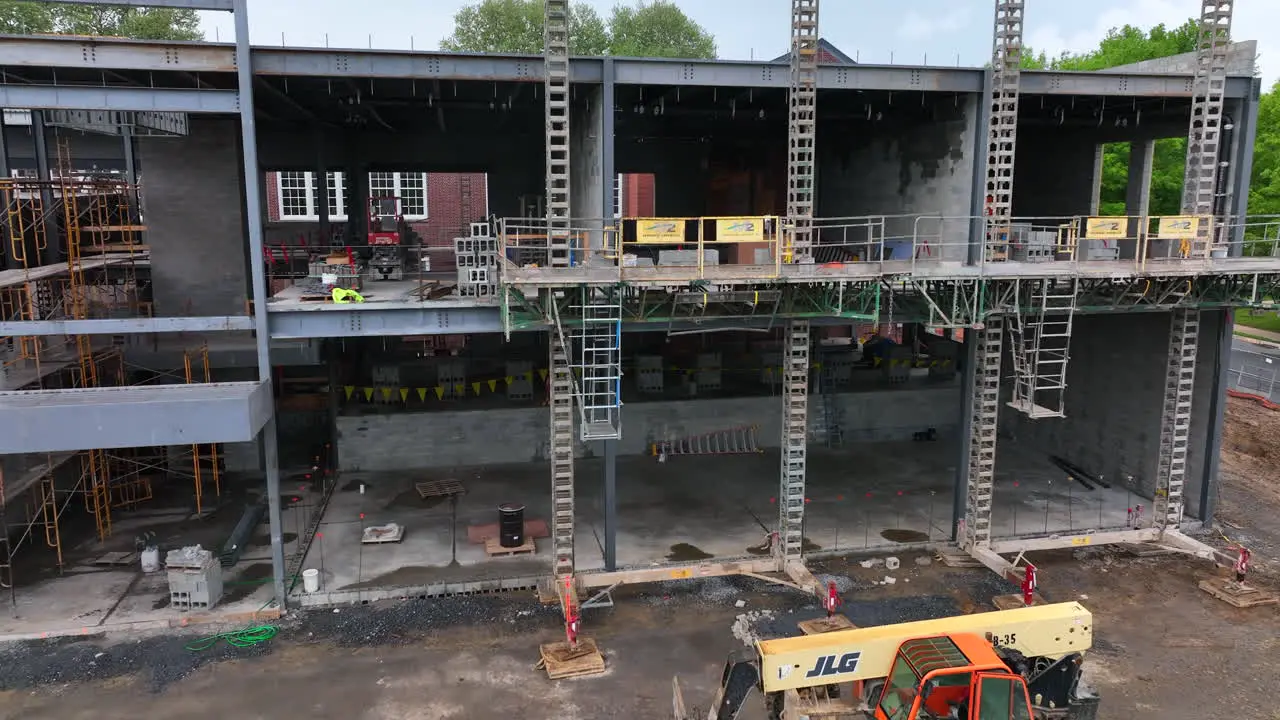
1254 373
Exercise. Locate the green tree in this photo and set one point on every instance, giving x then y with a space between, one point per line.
650 29
29 18
1264 185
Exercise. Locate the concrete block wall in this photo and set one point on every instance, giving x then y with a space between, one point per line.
488 437
905 169
586 161
192 194
1114 400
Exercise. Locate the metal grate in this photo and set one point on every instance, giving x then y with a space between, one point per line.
1041 346
982 442
556 85
599 364
1002 133
802 127
795 427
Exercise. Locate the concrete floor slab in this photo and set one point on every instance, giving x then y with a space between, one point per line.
873 496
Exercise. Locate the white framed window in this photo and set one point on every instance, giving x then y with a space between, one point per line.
298 194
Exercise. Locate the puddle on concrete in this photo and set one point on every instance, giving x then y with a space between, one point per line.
265 540
905 536
252 578
162 603
684 552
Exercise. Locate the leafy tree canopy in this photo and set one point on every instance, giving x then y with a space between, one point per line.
32 18
648 29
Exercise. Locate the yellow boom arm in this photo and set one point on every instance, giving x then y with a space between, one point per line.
1050 631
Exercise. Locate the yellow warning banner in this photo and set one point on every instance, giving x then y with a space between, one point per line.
1106 228
740 229
1180 227
659 231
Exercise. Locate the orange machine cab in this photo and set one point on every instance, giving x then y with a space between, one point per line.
952 676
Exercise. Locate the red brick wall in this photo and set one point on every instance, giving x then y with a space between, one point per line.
638 195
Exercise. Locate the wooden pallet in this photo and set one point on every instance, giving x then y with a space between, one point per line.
1013 602
825 625
957 560
1241 596
439 488
493 548
560 660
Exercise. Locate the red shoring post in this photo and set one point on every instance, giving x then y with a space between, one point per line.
1029 585
571 616
1242 564
832 601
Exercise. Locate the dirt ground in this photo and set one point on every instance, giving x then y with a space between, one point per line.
1163 649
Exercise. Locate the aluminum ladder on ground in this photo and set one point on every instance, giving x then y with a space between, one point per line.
1002 131
795 429
599 367
801 129
1041 347
556 86
1175 418
560 400
741 440
984 417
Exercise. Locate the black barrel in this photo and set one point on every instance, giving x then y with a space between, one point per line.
510 525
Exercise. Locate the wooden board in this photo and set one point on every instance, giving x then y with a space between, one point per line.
958 560
1241 596
562 661
1013 602
494 548
826 625
116 559
1145 549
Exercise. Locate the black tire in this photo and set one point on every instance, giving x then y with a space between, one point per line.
773 705
871 692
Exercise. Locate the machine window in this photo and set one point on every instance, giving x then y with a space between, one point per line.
899 691
996 698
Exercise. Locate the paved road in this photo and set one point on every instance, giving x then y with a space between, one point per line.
1255 368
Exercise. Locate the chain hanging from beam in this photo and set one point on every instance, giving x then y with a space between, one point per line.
1002 132
801 129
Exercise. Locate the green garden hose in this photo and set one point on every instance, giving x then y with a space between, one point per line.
248 637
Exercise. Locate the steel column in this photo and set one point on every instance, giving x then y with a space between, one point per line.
130 155
982 127
1246 136
967 377
40 141
608 164
1217 416
254 218
610 505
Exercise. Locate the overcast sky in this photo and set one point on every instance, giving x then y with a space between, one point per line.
939 32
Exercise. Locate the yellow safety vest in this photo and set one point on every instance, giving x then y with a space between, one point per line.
343 296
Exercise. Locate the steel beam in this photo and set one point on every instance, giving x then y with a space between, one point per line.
125 326
37 421
116 54
1217 416
1241 168
414 65
179 4
722 73
92 97
333 321
1104 83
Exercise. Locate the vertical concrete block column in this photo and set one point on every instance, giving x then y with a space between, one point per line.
195 221
1137 201
1095 198
586 157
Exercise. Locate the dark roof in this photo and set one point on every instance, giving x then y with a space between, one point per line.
835 55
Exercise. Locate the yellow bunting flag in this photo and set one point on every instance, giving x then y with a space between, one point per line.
368 393
877 361
439 392
422 394
510 379
493 386
543 373
348 389
475 387
386 394
460 389
404 395
529 376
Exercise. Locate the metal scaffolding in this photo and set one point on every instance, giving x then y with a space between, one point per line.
801 129
795 440
1002 131
556 87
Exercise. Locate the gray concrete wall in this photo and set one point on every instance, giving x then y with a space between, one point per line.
905 169
1241 60
586 162
1115 393
487 437
192 197
90 151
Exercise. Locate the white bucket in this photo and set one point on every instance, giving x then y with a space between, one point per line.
150 560
311 580
328 278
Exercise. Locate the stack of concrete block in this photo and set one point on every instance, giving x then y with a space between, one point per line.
520 384
708 372
477 260
688 257
451 376
1033 245
649 374
385 376
896 365
195 578
770 374
943 354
